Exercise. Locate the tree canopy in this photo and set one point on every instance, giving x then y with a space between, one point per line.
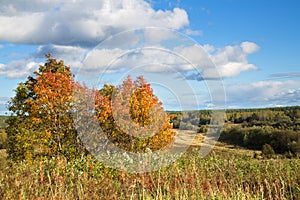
42 124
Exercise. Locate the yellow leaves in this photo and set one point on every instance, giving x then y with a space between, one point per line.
36 120
135 116
48 134
43 107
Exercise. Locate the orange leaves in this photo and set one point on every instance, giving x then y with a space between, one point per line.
43 107
54 89
132 116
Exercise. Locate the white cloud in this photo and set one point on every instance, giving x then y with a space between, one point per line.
194 54
1 46
72 55
263 93
19 68
229 61
64 24
193 32
232 60
232 69
100 59
154 36
208 48
154 60
81 22
66 29
249 47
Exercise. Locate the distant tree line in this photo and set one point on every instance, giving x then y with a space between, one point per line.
282 141
250 128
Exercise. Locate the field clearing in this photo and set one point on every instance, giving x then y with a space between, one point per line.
195 140
228 172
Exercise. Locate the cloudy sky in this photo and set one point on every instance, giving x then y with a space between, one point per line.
249 47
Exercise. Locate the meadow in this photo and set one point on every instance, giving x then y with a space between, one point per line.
224 174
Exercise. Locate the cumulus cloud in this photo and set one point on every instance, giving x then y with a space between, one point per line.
289 97
229 61
195 54
19 68
209 48
231 69
72 55
81 22
263 93
67 29
154 60
249 47
99 59
232 60
197 62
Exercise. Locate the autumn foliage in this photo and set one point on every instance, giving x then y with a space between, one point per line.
42 120
41 124
132 116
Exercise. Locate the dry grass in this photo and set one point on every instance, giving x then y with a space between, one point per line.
3 153
227 173
3 161
197 142
218 176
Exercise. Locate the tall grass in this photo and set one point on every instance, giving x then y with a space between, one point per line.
218 176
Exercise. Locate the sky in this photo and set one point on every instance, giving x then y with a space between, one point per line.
197 54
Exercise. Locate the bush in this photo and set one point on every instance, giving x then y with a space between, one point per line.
234 135
256 137
267 151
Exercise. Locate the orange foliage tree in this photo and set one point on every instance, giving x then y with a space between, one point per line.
44 115
132 116
41 121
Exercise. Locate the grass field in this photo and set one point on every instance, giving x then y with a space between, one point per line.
227 173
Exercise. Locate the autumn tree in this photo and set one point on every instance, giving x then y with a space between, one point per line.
132 116
41 120
45 120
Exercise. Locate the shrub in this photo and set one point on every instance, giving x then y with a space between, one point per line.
267 151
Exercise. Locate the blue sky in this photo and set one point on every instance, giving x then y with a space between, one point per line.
254 45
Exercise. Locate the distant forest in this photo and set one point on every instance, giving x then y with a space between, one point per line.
276 128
